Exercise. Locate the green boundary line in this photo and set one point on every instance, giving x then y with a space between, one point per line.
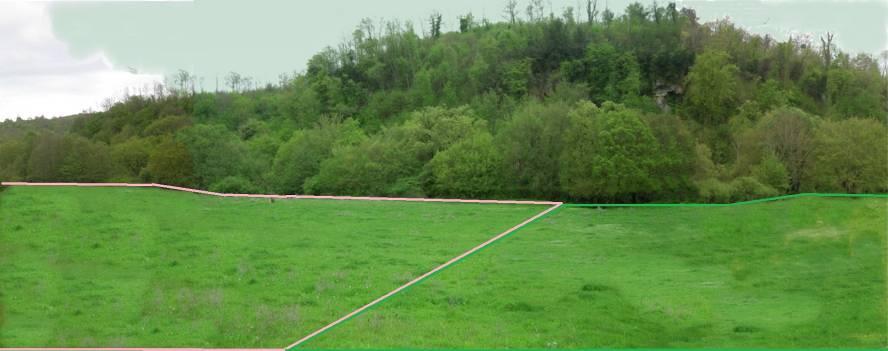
429 276
768 199
756 201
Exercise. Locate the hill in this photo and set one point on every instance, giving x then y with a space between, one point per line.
649 106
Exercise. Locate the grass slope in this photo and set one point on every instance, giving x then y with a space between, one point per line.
121 267
806 272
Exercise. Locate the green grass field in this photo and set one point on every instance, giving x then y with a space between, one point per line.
115 267
808 272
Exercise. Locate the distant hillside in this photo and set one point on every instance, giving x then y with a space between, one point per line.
647 106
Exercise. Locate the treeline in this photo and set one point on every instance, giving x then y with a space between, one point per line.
583 106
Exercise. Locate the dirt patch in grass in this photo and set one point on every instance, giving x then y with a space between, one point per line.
816 233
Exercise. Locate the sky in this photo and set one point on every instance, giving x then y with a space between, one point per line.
64 57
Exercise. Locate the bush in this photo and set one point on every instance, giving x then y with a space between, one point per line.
470 168
714 190
772 173
170 163
748 188
405 187
234 185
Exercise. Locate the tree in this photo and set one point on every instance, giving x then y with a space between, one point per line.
167 125
389 163
711 93
826 49
300 157
515 77
384 165
85 161
772 173
469 168
770 95
46 158
433 129
131 156
607 16
184 82
674 162
608 154
466 23
610 75
531 143
511 11
169 164
591 10
216 152
851 156
237 82
856 92
435 24
14 160
788 133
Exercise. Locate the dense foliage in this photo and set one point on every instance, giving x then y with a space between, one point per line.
648 106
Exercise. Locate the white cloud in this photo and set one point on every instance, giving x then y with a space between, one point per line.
38 75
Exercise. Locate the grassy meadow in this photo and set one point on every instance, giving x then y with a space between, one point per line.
807 272
115 267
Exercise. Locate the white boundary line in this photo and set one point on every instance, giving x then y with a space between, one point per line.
420 278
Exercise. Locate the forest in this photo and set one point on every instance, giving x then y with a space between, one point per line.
583 105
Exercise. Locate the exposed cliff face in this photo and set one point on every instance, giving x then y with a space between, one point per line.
662 91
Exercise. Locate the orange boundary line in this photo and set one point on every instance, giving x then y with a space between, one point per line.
272 196
123 349
554 205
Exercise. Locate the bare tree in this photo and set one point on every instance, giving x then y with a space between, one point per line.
884 56
183 81
789 135
511 11
234 81
368 28
535 10
158 90
466 23
107 103
591 10
826 49
284 80
827 52
568 15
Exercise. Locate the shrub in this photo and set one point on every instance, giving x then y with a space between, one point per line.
470 168
748 188
713 190
772 173
234 185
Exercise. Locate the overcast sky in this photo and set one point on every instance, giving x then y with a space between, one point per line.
62 57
